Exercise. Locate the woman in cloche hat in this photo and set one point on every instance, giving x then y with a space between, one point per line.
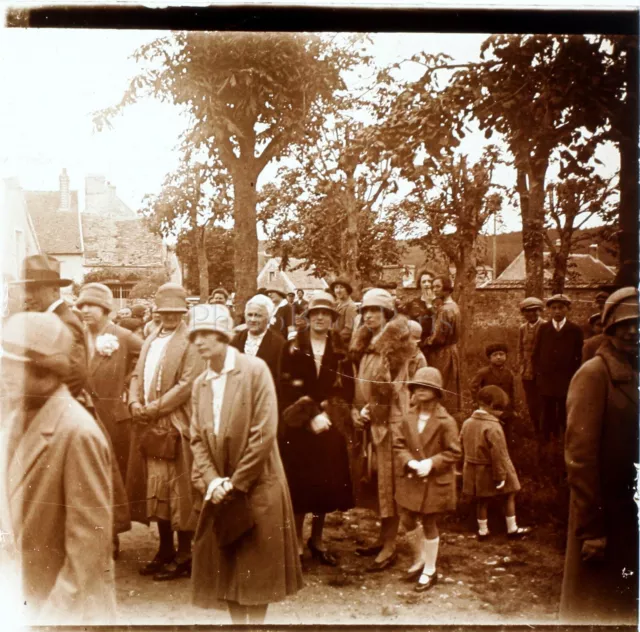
601 451
316 392
237 468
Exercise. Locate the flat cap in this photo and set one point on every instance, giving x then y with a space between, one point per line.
531 302
559 298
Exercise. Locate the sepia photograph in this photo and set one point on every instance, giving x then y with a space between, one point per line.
318 315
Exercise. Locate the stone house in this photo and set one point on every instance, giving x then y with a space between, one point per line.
293 278
107 237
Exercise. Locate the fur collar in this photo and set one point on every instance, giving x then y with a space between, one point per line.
393 344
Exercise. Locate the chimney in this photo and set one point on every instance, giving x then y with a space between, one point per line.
65 198
593 251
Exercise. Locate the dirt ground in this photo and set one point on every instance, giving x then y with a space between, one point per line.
493 582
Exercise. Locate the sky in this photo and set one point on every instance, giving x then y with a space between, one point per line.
54 79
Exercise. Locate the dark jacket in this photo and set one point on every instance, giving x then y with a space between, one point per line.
77 378
439 442
601 448
490 376
270 350
317 465
591 345
556 358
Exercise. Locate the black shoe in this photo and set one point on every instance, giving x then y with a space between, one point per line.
156 564
369 551
324 557
432 580
519 533
387 562
173 570
412 576
481 537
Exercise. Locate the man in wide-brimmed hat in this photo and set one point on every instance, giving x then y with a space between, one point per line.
41 283
556 357
56 485
160 397
347 309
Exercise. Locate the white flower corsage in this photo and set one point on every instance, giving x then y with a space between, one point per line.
106 344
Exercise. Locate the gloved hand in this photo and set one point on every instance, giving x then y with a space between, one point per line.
320 423
424 468
593 550
217 490
501 484
358 422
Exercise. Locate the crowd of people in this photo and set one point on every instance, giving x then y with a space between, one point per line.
226 433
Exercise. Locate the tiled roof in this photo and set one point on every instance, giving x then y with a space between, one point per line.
293 278
120 242
58 231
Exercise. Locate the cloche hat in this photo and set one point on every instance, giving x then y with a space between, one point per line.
322 300
211 317
621 306
377 297
171 297
427 376
95 294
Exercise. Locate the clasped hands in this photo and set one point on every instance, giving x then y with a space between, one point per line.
140 412
360 418
421 468
320 423
218 490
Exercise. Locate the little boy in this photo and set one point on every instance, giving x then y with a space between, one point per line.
497 374
530 308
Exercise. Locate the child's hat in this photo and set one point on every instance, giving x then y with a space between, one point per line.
427 376
496 346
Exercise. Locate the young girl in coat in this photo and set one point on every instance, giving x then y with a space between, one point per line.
426 449
488 470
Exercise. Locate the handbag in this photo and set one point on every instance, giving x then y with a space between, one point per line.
160 443
232 518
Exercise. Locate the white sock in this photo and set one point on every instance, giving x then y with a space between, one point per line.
512 525
430 555
483 527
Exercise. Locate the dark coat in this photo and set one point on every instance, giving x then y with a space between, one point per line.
601 448
55 493
285 317
108 377
591 345
439 442
486 457
270 350
77 383
556 358
490 376
169 403
263 566
317 466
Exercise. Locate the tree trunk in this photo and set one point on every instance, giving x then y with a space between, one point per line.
351 237
531 196
561 261
203 264
464 295
245 236
628 239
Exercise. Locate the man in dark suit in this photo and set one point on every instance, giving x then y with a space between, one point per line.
556 357
258 339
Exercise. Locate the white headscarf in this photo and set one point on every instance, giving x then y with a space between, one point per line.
262 301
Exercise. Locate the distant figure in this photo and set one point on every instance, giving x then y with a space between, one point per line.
347 309
219 296
300 302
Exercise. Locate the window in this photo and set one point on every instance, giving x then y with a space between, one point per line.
272 276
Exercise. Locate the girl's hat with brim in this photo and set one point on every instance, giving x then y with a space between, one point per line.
429 377
342 282
322 300
42 270
621 306
212 318
171 297
40 339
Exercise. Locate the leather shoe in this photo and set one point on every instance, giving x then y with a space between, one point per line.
369 551
173 570
387 562
324 557
156 565
432 580
412 576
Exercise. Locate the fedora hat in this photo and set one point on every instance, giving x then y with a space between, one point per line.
43 270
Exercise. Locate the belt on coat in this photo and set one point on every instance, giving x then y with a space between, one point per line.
477 461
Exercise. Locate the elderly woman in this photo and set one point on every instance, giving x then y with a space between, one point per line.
259 339
601 449
245 551
442 345
316 395
382 349
160 398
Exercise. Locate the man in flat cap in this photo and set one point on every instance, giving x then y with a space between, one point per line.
56 485
530 308
556 357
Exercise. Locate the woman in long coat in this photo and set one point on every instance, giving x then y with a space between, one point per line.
316 395
160 397
426 312
601 449
381 349
442 345
237 464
